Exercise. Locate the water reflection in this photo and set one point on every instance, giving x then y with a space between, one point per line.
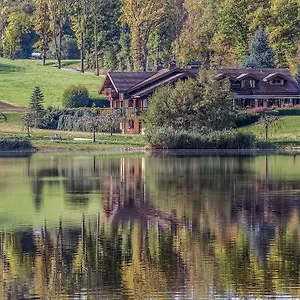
149 227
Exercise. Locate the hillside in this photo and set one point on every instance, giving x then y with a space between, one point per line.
19 77
287 132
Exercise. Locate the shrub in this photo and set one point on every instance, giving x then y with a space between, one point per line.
244 118
76 96
180 139
15 145
292 111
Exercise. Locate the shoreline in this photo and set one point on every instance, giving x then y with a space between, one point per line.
155 152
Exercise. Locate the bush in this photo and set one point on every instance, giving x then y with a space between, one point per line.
180 139
292 111
15 145
76 96
244 118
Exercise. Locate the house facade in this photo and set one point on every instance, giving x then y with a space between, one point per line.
253 88
131 90
264 88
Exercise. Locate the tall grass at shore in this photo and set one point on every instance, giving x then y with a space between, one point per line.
15 144
179 139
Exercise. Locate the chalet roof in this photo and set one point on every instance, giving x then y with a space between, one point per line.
151 88
275 75
291 87
150 79
247 75
259 73
122 81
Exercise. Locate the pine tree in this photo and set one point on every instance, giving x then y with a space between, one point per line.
36 105
261 54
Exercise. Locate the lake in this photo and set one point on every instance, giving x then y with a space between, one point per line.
136 226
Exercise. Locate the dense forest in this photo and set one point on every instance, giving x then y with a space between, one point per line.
140 34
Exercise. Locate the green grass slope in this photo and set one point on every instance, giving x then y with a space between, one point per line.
19 77
287 132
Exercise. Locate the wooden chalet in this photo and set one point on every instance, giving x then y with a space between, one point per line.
253 88
264 88
131 90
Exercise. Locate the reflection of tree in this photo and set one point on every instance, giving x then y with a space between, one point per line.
194 227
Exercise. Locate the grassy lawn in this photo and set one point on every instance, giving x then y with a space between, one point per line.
286 134
19 77
42 139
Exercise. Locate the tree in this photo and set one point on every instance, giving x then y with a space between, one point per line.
142 17
76 96
233 24
18 24
284 31
204 105
269 121
41 21
79 25
58 11
261 54
196 36
36 105
29 122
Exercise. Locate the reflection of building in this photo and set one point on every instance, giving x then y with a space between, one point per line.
127 196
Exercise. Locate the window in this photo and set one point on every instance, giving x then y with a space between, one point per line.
130 124
252 83
276 81
130 103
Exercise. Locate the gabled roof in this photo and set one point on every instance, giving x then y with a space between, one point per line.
275 75
291 87
122 81
259 73
151 88
247 75
137 84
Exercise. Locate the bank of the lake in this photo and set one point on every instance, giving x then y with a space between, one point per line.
287 137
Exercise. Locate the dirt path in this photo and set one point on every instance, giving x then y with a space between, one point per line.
5 107
76 70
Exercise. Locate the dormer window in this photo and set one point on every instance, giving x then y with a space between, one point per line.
252 83
276 81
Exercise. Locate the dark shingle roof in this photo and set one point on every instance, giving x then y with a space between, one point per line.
151 88
125 80
291 87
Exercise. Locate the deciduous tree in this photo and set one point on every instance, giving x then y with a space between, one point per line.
18 24
142 17
41 21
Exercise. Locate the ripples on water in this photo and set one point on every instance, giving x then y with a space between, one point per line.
138 227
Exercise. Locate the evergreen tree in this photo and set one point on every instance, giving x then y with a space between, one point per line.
261 54
36 105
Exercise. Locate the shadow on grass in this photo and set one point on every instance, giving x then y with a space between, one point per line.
64 63
5 68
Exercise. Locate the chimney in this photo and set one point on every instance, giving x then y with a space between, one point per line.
172 65
159 66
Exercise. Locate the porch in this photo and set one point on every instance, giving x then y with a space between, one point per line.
266 101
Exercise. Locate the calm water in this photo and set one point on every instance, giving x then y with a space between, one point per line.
142 227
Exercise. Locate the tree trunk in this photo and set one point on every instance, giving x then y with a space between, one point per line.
59 47
266 131
96 45
82 52
44 55
94 135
